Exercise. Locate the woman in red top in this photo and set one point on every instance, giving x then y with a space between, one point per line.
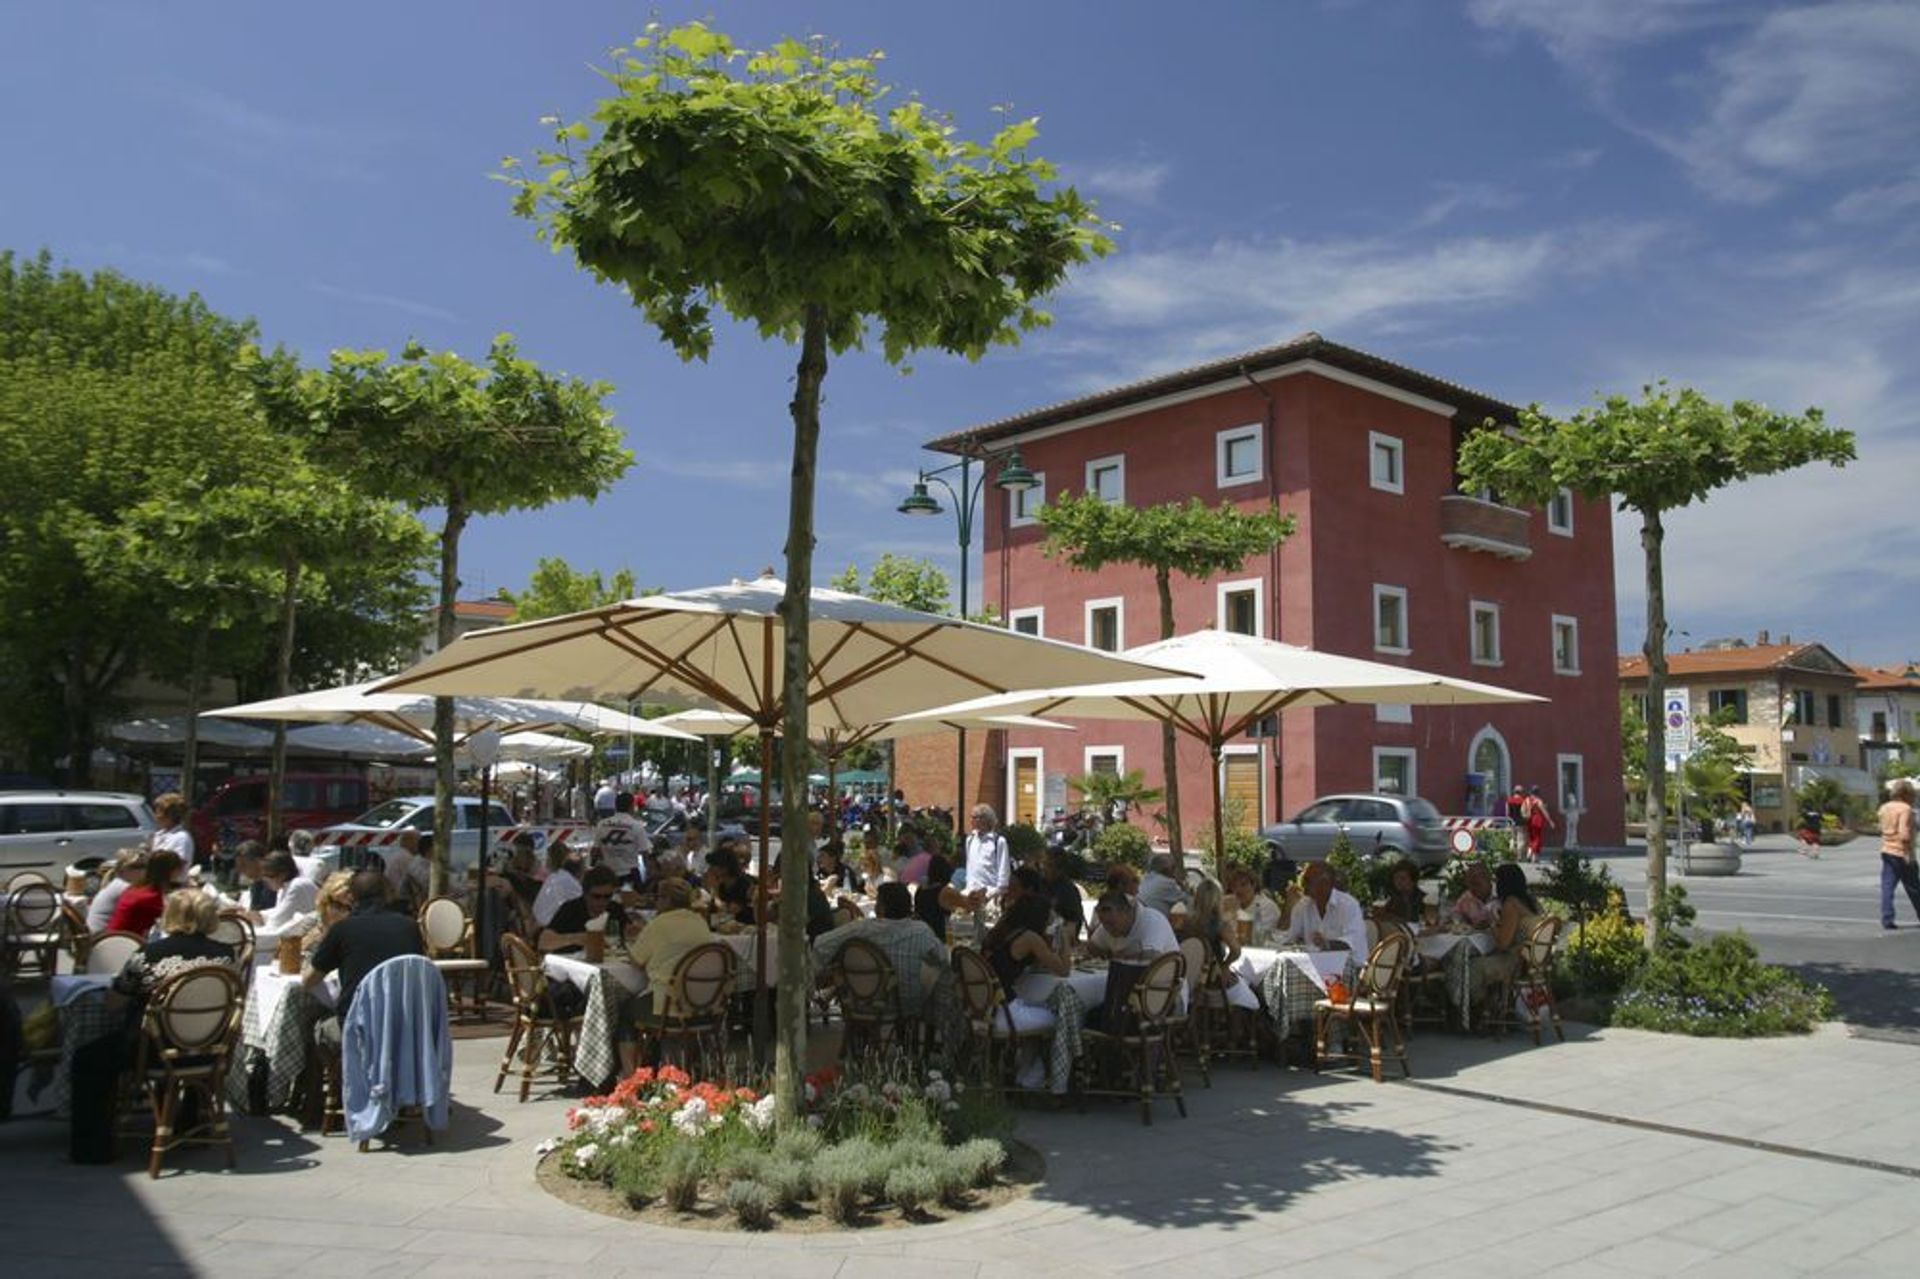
139 907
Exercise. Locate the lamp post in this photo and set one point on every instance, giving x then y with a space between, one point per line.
1013 477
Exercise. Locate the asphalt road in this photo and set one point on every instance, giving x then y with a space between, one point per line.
1819 917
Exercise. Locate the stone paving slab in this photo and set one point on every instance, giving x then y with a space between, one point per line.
1272 1170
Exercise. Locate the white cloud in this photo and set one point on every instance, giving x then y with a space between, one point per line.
390 301
1464 197
1582 31
1881 203
1136 180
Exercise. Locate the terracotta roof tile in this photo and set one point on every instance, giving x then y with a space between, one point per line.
483 608
1882 678
1719 661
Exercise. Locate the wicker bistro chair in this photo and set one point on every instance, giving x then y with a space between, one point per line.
1144 1040
542 1038
1532 983
1371 1008
868 992
236 930
447 932
696 1011
989 1026
108 952
33 931
191 1024
1190 1027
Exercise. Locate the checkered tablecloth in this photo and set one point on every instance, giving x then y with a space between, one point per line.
1295 980
277 1025
84 1017
1454 954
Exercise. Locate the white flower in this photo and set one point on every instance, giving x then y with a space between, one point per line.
692 1118
547 1147
584 1155
938 1092
759 1115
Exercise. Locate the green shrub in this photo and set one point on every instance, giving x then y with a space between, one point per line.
680 1172
751 1204
789 1181
1603 956
1720 988
935 836
840 1176
980 1159
953 1175
1121 844
802 1145
912 1186
1024 842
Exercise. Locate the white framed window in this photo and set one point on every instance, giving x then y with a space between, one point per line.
1566 645
1386 463
1240 606
1391 633
1111 760
1107 478
1571 772
1396 770
1483 633
1028 621
1023 505
1560 513
1107 624
1237 456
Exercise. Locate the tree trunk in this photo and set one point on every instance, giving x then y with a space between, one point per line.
1652 536
796 842
1169 744
196 678
443 775
282 686
76 699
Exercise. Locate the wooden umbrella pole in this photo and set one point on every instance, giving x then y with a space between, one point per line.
1219 819
762 1037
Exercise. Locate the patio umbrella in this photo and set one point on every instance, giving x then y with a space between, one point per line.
722 648
412 713
1234 682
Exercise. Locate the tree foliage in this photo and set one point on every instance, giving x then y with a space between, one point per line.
556 588
432 429
1190 538
779 187
1664 451
902 580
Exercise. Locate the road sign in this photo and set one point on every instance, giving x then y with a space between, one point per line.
1676 717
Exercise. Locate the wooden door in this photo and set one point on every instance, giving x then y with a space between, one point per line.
1241 785
1026 790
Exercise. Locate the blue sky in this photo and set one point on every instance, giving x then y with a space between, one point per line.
1544 199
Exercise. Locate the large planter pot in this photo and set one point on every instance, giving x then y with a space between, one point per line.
1708 861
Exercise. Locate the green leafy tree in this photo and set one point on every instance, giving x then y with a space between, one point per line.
1661 453
434 430
556 587
1110 792
1190 538
898 579
779 188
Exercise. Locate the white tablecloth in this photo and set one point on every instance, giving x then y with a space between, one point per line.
576 971
1437 945
1317 966
1088 983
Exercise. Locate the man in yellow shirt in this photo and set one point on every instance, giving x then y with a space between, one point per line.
1896 851
665 941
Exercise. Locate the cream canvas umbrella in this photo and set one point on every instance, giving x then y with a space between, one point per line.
412 713
1234 682
723 648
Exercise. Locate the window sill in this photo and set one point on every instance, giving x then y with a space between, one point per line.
1393 652
1566 670
1398 490
1488 661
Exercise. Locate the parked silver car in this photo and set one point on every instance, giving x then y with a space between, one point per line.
48 831
410 812
1391 826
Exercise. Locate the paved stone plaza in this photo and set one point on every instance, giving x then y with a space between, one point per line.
1617 1152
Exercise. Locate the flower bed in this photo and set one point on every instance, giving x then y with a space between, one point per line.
895 1145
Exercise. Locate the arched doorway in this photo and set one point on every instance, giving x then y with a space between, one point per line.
1488 758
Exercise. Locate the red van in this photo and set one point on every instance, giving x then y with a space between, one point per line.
237 808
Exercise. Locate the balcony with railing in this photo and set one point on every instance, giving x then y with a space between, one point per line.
1476 524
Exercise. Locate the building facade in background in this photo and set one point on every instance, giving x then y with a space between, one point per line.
1390 561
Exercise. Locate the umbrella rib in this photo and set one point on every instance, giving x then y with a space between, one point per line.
499 650
1273 705
667 664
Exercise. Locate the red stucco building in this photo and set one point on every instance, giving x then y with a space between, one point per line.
1389 561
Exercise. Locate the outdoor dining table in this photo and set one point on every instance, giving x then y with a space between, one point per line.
1292 981
276 1027
608 983
80 1002
1454 952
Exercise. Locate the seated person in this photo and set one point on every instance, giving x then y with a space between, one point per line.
1126 879
1475 906
127 869
358 944
936 899
1159 890
661 945
410 871
1014 947
731 891
516 888
562 884
1516 915
187 922
567 931
693 849
1207 921
1065 897
1129 931
248 861
874 871
333 904
300 844
1405 901
1248 899
140 907
906 940
1327 918
913 861
831 869
293 894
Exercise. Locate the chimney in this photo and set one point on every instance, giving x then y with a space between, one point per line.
1762 641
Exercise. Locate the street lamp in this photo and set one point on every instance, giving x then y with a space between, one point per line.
1013 477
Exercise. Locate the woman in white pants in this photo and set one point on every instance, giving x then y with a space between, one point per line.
1014 947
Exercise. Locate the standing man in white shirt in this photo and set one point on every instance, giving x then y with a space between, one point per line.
622 843
409 873
603 799
561 885
989 864
1327 918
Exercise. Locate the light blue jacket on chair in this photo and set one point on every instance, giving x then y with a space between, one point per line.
396 1048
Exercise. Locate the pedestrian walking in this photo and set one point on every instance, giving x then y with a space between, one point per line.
1896 852
1808 832
1533 811
1744 822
